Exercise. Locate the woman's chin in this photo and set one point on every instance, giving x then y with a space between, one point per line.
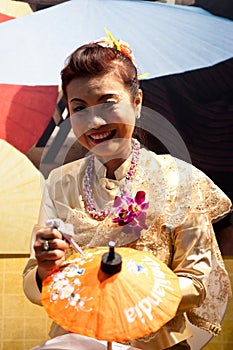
103 149
110 149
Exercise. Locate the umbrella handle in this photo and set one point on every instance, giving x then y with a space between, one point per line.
109 345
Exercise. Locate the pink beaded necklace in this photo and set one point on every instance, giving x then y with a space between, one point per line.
90 205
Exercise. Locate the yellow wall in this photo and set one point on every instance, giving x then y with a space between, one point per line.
24 325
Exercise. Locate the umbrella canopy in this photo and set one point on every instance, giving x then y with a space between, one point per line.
25 113
166 39
4 18
14 8
20 197
23 107
136 296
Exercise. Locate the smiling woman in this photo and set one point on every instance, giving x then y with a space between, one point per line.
124 193
104 99
103 116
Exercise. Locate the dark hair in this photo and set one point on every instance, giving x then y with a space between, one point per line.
93 59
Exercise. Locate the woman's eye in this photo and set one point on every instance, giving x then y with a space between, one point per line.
108 104
79 109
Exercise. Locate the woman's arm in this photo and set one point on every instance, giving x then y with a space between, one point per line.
42 262
192 258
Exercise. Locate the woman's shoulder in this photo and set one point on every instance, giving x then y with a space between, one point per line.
164 162
187 183
169 163
72 169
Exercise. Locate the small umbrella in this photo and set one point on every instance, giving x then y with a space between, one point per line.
112 296
20 196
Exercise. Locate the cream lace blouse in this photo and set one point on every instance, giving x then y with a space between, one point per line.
183 204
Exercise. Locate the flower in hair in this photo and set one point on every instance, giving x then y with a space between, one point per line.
121 46
126 50
118 45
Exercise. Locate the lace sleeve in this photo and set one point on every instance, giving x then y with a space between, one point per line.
209 197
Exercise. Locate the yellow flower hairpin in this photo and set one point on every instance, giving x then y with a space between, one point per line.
121 46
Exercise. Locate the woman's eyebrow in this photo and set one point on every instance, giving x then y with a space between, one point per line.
76 99
100 99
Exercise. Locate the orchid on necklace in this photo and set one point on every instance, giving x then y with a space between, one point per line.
126 211
131 212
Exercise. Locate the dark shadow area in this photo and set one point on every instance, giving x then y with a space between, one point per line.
223 8
200 106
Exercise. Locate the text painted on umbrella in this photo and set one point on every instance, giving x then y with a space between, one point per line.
143 309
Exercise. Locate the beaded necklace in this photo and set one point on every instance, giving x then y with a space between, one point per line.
90 205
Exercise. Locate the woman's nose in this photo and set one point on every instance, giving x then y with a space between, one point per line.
95 118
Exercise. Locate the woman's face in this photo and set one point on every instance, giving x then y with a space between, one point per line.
103 114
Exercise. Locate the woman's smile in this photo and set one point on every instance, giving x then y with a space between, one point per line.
102 136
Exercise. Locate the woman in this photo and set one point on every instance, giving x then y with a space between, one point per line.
178 202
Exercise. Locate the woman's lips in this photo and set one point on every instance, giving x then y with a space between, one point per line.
99 137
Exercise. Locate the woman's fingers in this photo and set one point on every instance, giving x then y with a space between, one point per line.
47 260
48 233
51 258
47 263
48 239
50 248
54 244
46 245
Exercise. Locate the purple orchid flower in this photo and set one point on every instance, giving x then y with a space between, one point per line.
131 212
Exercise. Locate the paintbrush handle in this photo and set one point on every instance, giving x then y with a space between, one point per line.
60 226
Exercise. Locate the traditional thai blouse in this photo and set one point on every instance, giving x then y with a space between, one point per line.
183 204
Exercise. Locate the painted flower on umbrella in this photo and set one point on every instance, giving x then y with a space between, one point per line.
67 286
131 212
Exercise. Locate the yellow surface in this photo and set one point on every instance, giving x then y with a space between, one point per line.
21 188
24 325
14 8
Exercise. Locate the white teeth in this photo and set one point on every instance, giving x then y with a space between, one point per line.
100 136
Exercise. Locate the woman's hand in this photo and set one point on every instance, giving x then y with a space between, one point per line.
50 248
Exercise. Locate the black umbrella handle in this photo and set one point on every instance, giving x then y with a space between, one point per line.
111 262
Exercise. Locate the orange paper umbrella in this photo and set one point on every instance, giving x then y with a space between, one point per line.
112 296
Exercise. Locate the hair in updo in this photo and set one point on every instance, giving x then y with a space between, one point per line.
93 59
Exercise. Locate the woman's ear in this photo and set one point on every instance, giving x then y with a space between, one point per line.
138 102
